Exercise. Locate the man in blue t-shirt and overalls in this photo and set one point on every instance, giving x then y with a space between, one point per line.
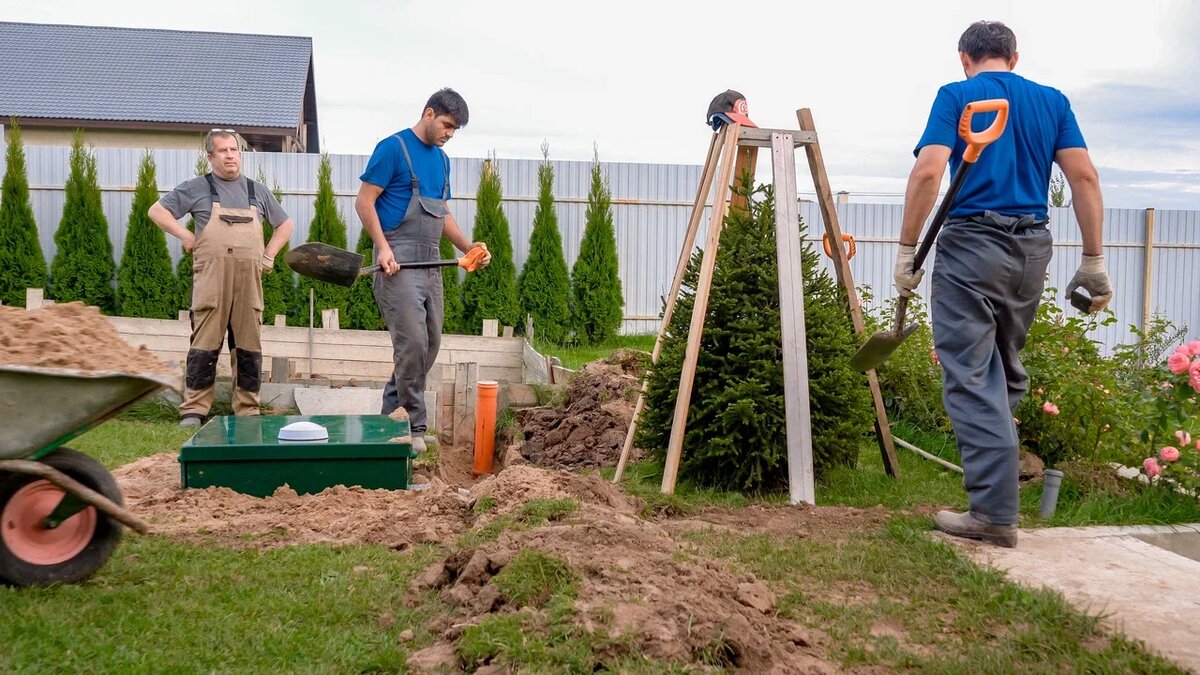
412 164
991 261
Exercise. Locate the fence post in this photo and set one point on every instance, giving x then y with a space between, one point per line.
1148 269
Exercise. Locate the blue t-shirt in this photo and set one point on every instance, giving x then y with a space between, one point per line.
388 170
1012 176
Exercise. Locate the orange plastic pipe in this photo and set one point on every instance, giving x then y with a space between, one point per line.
485 427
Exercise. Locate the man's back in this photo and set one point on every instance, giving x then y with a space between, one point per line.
1011 178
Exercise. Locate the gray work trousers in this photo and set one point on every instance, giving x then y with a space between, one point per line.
411 302
987 281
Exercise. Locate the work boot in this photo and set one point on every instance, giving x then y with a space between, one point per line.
418 444
190 423
968 526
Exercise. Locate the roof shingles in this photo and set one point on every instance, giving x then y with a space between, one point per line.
151 75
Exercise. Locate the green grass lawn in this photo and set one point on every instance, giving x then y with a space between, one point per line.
891 598
575 357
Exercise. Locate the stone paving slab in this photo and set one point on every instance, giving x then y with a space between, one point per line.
1143 590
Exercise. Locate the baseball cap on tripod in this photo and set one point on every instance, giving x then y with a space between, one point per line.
728 107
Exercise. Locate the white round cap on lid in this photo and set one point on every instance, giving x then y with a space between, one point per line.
304 432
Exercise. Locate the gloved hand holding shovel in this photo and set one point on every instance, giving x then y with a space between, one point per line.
339 266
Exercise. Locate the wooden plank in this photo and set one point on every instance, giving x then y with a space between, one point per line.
281 320
746 163
841 266
797 411
491 327
696 329
465 386
34 298
508 332
536 368
446 411
761 138
716 146
281 369
186 316
329 319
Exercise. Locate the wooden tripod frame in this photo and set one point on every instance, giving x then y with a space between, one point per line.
733 151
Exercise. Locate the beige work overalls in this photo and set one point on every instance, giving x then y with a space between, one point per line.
227 296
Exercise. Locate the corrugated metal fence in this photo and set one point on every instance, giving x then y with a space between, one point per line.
651 204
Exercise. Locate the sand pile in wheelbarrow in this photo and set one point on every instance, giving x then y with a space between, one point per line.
71 335
588 429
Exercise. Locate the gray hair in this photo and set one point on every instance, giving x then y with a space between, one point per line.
218 133
986 40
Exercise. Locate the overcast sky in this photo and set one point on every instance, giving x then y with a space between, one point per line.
635 78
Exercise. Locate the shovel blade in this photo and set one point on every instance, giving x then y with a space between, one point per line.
879 348
325 263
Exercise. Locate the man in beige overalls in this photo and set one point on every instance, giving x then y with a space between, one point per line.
229 259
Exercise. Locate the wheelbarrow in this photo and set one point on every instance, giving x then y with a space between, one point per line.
61 511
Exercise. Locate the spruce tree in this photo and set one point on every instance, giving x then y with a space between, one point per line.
595 278
362 312
22 264
183 269
491 293
736 435
327 227
145 280
452 300
279 287
545 285
83 267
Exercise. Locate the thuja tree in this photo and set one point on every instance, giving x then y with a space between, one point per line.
545 285
145 280
21 262
362 312
279 287
595 278
327 227
83 267
452 299
491 293
183 269
736 435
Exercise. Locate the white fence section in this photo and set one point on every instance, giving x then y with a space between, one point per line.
651 204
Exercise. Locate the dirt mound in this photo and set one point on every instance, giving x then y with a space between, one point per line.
637 587
342 515
588 429
71 335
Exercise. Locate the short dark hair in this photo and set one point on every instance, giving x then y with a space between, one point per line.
448 102
987 40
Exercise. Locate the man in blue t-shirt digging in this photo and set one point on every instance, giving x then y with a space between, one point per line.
402 206
991 262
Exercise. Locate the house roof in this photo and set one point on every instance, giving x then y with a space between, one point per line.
151 75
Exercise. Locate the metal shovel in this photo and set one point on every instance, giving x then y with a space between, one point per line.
339 266
882 344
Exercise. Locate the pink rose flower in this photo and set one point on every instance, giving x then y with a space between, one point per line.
1178 362
1151 466
1168 453
1183 437
1194 375
1049 408
933 357
1193 348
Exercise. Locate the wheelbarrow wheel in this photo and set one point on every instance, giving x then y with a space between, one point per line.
31 554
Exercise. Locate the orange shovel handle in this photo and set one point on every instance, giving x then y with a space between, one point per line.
470 261
978 140
852 248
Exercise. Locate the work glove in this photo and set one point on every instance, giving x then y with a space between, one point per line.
906 279
1092 276
266 263
487 259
